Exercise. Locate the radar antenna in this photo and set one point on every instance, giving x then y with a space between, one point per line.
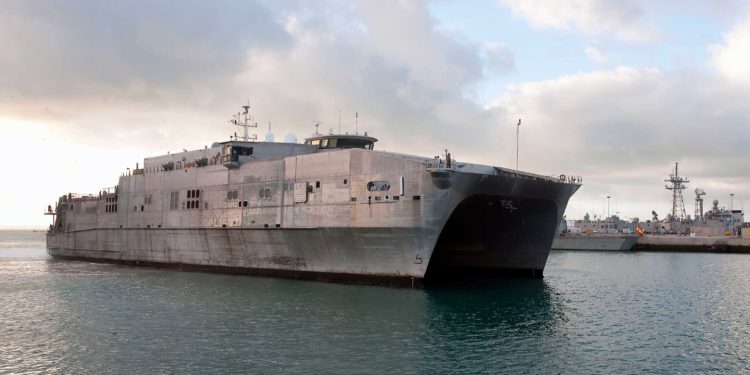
676 184
317 124
699 193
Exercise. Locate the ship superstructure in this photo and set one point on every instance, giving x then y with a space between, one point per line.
331 208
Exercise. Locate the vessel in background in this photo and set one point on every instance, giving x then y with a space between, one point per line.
600 242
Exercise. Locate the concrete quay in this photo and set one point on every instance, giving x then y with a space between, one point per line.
694 244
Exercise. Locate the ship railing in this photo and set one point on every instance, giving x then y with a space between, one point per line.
76 197
439 164
89 197
568 179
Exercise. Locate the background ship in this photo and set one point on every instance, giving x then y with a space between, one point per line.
329 209
715 229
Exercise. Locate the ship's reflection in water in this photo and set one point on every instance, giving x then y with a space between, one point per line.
505 324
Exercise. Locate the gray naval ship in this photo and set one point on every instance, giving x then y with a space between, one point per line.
332 208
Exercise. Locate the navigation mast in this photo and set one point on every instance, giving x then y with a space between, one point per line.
676 184
244 120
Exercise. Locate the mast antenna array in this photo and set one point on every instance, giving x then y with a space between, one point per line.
244 120
677 185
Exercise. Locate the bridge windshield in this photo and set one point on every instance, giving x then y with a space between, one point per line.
232 152
364 142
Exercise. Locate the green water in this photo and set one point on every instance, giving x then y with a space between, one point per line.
592 313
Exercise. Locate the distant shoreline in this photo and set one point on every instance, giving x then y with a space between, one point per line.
23 229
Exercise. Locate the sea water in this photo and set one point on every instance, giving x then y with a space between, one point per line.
608 312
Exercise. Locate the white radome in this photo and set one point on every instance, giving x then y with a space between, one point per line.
290 138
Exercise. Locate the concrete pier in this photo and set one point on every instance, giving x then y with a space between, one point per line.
694 244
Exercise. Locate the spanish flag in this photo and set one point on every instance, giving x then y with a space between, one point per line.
639 230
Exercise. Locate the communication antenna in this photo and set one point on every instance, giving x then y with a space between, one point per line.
339 121
676 184
356 123
317 124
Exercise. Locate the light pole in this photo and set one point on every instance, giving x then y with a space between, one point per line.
518 129
731 211
608 212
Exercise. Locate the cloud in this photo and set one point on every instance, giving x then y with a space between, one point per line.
731 59
595 55
407 80
498 58
623 129
90 48
622 20
166 76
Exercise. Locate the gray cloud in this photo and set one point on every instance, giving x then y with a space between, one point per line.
173 73
624 129
498 58
128 49
621 19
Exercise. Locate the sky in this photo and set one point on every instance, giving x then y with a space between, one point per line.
615 91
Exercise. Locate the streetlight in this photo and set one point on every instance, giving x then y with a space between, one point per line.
731 211
608 206
518 129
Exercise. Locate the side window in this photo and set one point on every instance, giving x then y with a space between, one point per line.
378 186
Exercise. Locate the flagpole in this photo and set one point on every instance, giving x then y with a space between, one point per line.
518 129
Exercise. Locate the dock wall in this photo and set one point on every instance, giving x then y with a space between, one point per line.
694 244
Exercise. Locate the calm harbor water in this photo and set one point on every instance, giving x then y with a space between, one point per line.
592 313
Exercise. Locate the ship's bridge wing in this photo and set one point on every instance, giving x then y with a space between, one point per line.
341 141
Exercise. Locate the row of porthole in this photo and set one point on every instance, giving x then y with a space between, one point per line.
194 204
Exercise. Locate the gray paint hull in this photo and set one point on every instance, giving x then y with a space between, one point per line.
444 221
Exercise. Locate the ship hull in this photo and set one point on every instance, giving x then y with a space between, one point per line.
422 223
489 225
351 255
